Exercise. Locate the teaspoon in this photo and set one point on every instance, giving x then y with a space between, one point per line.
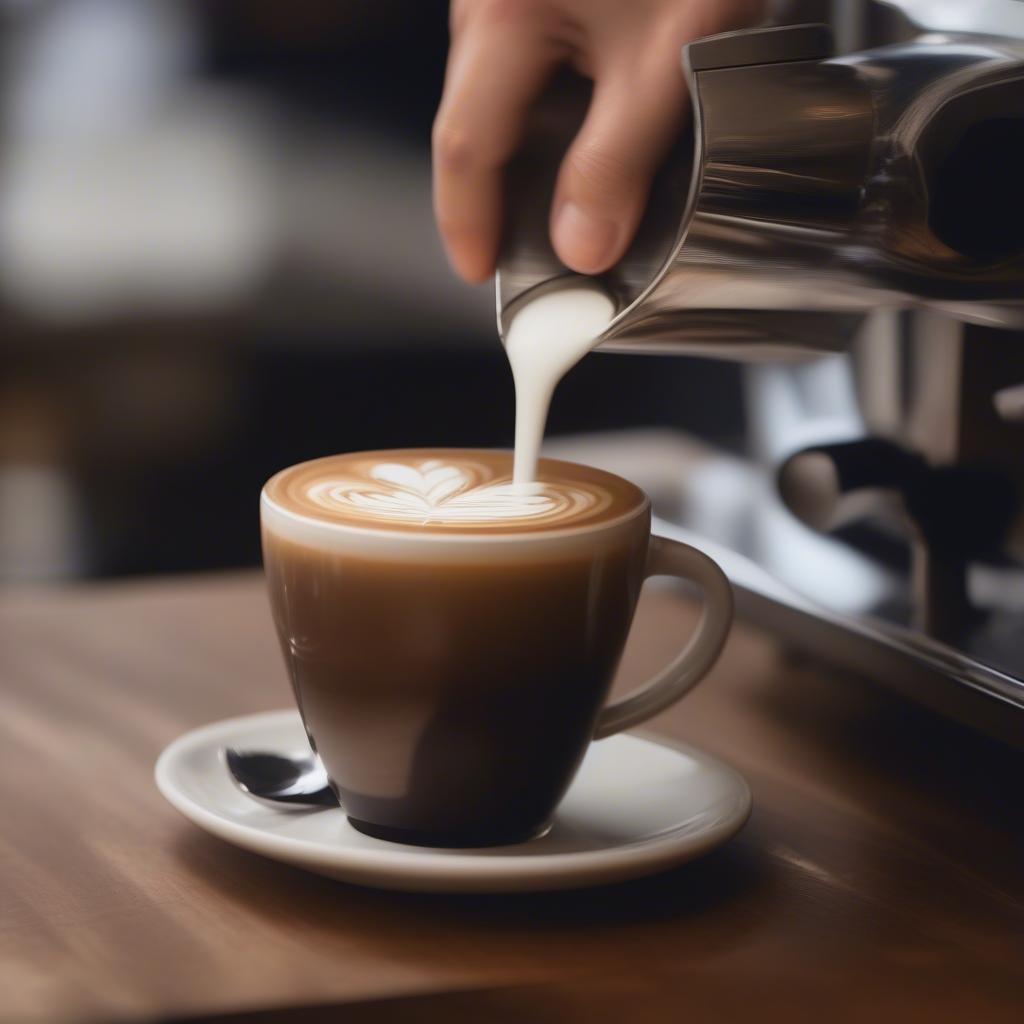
297 781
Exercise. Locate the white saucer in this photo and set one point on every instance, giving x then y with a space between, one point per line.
636 807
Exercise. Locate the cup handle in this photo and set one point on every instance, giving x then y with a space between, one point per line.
671 558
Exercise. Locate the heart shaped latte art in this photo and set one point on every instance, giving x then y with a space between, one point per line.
436 492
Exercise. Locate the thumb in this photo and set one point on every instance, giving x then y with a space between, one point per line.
606 174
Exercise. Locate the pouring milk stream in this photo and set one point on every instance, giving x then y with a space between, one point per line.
550 334
546 338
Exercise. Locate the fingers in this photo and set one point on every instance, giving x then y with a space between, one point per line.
496 71
635 114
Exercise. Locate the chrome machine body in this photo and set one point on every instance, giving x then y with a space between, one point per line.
870 204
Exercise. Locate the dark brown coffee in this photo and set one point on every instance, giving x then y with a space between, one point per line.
449 663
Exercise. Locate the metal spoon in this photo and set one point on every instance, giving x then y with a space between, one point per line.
297 781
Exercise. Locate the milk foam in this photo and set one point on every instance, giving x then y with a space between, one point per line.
441 491
546 338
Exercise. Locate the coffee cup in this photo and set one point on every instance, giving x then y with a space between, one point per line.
451 638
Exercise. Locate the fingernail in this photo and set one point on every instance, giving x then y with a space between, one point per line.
583 242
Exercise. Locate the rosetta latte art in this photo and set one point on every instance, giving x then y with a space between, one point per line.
436 491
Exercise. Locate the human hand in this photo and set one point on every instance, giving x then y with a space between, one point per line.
503 52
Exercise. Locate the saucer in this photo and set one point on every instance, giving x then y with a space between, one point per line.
636 807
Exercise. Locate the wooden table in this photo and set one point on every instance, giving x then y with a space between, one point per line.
880 876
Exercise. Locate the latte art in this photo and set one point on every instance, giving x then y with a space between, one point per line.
436 491
445 491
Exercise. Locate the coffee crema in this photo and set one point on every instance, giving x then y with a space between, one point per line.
449 491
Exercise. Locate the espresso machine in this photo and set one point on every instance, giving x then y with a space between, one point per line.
851 226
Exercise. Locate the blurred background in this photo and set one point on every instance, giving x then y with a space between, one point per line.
217 257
